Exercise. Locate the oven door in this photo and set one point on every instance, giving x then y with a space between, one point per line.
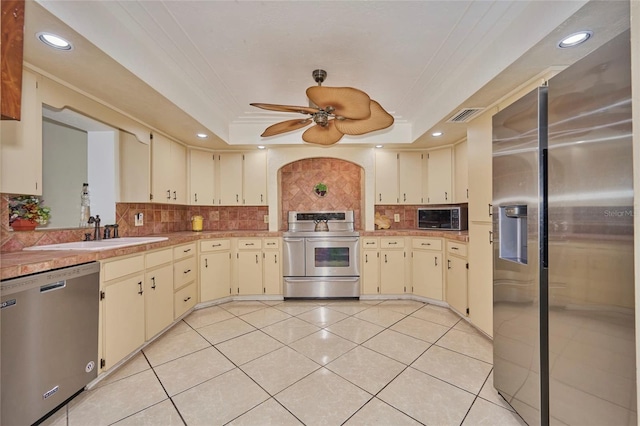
332 257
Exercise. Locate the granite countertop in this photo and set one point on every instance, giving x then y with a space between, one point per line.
15 264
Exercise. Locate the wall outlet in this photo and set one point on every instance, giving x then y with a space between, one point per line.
266 218
396 217
139 221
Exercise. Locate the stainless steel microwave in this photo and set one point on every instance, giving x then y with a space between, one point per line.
443 218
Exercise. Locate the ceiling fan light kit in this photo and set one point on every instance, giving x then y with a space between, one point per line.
337 111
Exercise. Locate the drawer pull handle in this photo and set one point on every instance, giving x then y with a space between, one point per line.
140 284
187 299
153 280
187 271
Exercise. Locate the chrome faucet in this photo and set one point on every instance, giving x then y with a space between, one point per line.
96 232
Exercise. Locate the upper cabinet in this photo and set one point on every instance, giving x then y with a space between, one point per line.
399 177
439 176
135 175
168 171
22 143
461 176
201 178
242 178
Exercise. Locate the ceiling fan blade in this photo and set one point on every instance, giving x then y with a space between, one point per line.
347 102
322 135
379 119
286 126
286 108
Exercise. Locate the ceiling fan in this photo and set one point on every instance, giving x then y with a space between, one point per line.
336 111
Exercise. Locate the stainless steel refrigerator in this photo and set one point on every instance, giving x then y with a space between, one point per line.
564 334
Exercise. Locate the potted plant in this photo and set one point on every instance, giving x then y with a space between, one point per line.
320 189
26 212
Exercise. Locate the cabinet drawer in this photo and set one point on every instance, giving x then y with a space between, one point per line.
120 268
159 257
214 245
427 243
184 271
186 250
249 244
391 243
369 243
459 249
271 243
184 299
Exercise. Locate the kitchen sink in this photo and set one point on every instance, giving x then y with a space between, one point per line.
100 244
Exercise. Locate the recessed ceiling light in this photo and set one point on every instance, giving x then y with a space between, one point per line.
54 41
436 134
575 39
379 146
260 146
202 135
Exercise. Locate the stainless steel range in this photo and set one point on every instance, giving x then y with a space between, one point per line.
321 255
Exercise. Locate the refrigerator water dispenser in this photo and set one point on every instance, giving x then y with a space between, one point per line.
513 233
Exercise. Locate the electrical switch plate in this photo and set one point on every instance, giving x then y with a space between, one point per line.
139 221
396 217
266 218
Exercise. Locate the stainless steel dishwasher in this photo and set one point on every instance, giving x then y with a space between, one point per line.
49 340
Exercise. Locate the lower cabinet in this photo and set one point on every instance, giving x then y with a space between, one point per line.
392 266
457 266
215 269
427 268
158 288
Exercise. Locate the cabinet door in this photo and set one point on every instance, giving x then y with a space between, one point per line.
123 318
439 176
461 173
215 275
386 177
272 272
457 284
481 276
370 272
134 157
250 272
479 136
229 181
427 274
158 300
410 175
201 178
392 276
21 147
255 178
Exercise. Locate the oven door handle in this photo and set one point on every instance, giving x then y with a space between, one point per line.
332 240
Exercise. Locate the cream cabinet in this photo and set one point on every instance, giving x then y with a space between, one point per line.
439 176
272 261
201 178
456 293
134 162
427 267
370 261
158 287
461 173
399 177
21 147
479 137
122 309
184 278
242 178
249 267
168 171
481 276
392 265
215 269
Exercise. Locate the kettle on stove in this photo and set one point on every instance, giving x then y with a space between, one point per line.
321 225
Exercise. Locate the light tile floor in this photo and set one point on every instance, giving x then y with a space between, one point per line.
321 362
